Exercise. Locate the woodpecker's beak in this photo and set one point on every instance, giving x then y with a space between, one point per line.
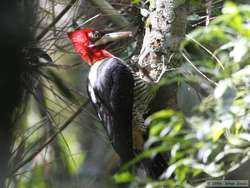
112 37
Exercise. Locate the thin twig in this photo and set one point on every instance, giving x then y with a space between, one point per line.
65 124
36 127
208 10
207 50
201 73
89 20
60 15
109 10
59 66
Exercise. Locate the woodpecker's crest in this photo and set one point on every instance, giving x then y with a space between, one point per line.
90 43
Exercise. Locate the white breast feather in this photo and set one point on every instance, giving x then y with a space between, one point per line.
92 79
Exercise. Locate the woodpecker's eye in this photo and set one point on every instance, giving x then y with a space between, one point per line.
94 36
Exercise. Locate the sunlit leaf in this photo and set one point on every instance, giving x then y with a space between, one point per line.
123 177
217 131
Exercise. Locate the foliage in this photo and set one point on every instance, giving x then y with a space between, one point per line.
215 139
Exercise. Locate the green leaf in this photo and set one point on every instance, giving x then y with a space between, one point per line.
123 177
230 8
217 131
135 1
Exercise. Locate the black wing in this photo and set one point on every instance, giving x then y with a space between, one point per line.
113 101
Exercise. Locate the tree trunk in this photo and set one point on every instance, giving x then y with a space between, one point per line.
165 28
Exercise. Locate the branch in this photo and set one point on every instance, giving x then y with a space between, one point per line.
60 15
165 28
50 139
111 13
208 10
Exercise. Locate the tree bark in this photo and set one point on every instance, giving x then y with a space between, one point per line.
165 28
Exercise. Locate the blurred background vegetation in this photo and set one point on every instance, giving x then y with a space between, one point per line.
50 135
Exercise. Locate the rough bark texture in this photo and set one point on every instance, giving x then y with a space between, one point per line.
164 30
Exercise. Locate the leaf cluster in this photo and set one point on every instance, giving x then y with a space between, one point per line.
215 139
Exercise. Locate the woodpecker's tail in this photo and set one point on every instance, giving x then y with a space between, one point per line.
153 167
156 166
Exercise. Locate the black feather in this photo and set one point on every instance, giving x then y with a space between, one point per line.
113 90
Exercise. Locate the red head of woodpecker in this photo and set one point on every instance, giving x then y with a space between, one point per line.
87 43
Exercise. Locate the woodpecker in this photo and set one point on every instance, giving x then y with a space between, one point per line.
119 96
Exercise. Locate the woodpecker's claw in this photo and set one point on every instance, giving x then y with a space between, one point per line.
112 37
